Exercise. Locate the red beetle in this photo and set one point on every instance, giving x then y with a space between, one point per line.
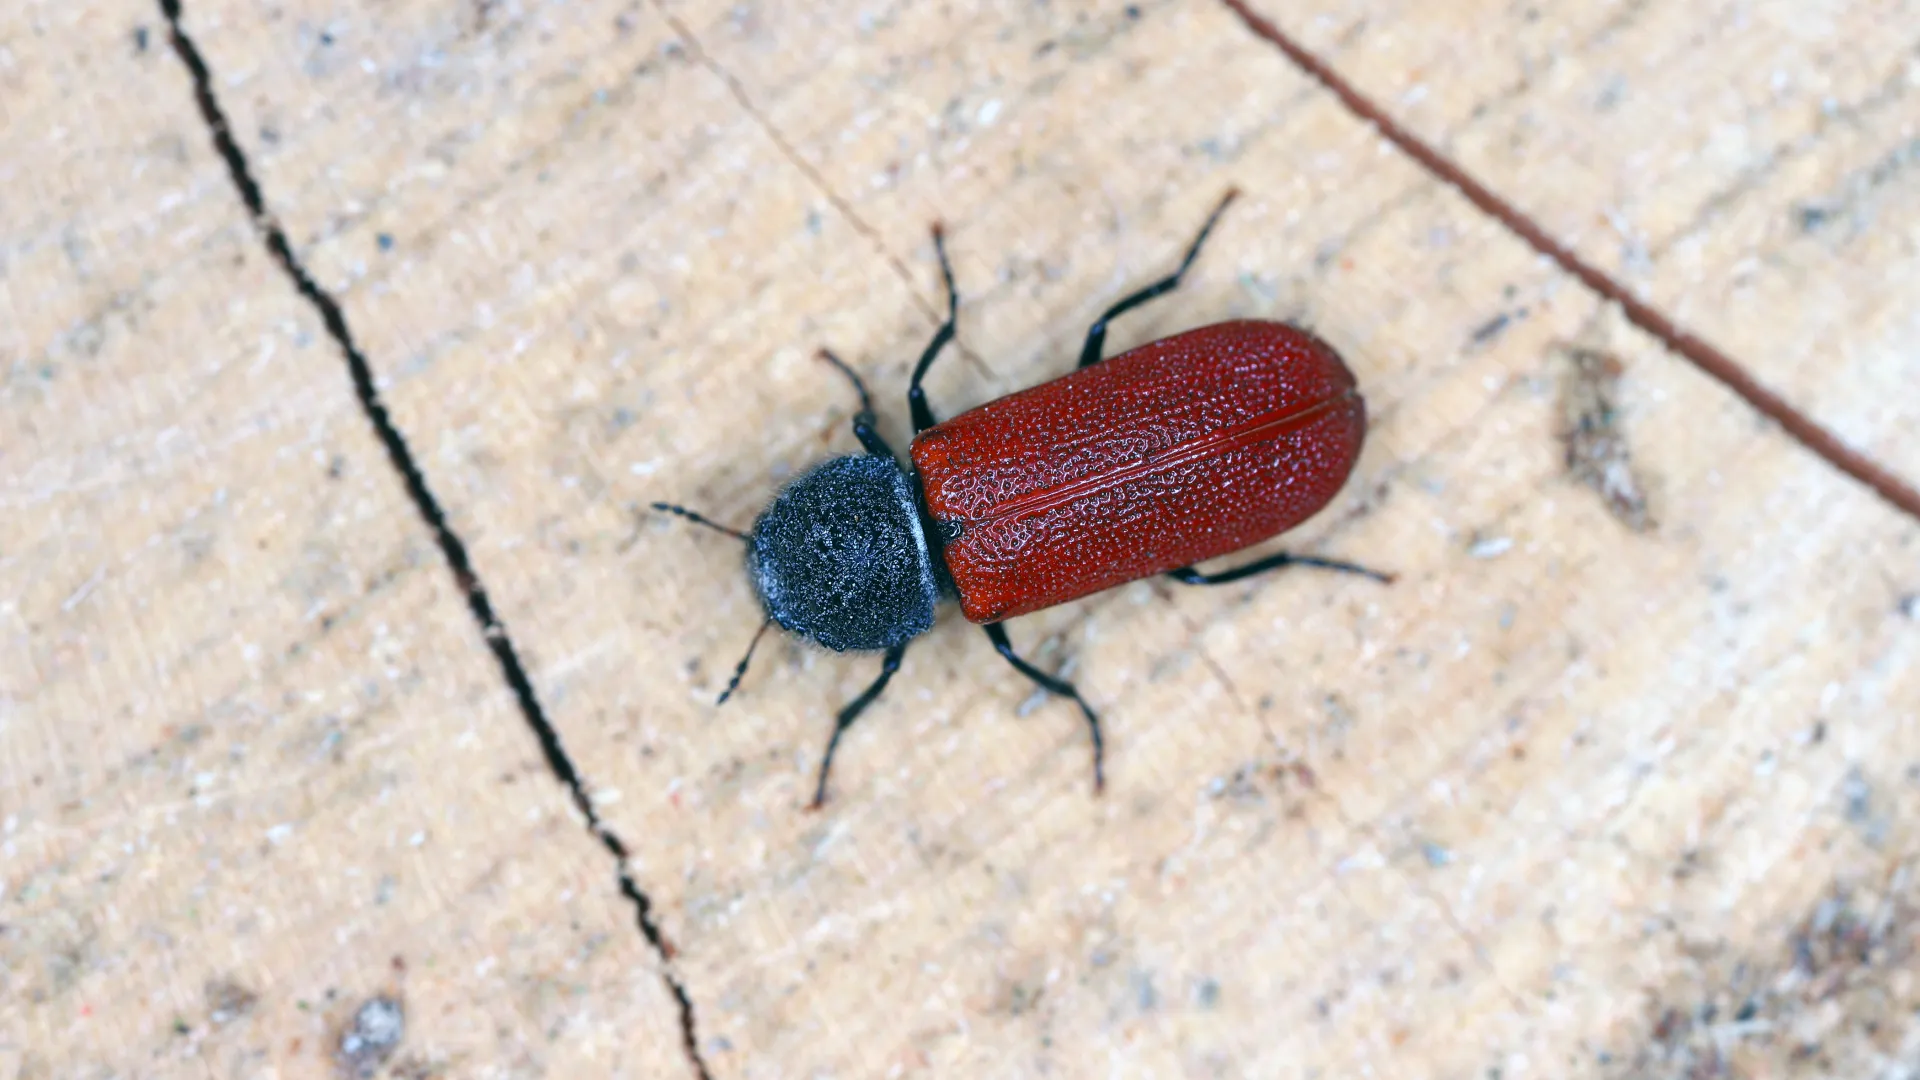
1178 451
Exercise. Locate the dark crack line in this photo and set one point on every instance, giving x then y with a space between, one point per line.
1708 358
451 546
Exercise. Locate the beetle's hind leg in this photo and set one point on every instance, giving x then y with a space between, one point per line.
1187 575
1097 334
916 397
864 420
998 635
852 711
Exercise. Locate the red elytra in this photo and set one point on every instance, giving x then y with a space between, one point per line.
1181 450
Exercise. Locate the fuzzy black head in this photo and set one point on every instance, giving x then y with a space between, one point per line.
840 556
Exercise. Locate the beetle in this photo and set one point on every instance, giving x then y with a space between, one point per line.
1177 451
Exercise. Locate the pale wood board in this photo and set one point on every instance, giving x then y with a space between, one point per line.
258 768
1526 812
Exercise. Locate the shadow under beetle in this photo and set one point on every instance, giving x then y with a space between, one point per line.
1180 450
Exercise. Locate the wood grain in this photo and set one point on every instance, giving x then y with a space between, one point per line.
1588 792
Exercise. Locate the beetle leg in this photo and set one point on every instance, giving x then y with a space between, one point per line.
888 665
1097 334
1187 575
916 397
998 635
869 438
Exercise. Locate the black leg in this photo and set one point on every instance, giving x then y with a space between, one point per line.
998 635
1189 576
863 421
916 397
888 665
869 438
1097 335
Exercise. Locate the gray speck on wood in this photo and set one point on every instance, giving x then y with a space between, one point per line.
1144 994
1491 547
371 1037
1207 993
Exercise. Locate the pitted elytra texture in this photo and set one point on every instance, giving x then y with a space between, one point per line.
1178 451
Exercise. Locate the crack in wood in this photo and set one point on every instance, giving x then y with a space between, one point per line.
1901 495
274 236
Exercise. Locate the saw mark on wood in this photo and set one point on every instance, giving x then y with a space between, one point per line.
1832 999
1368 836
738 90
1808 216
1702 354
739 93
274 236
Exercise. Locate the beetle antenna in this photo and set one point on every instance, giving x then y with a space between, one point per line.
741 670
698 520
866 402
1212 220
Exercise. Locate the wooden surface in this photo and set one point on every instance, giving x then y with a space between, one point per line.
1619 779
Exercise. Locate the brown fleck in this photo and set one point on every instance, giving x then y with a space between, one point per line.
228 1001
1594 437
414 1067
